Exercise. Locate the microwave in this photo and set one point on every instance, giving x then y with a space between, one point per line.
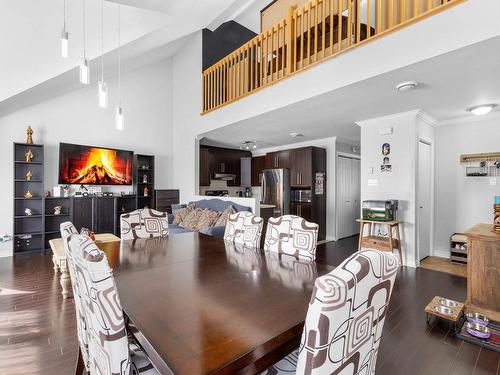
301 195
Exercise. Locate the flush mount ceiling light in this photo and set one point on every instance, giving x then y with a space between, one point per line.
296 134
482 109
248 145
407 86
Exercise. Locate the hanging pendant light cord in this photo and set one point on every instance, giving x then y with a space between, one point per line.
83 27
102 40
119 60
64 16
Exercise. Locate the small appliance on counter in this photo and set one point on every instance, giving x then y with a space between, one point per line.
380 210
301 196
217 193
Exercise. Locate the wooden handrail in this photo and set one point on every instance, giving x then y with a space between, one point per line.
309 34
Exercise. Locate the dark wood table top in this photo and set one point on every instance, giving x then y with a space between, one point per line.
205 306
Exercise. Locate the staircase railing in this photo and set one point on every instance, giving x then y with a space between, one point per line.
311 33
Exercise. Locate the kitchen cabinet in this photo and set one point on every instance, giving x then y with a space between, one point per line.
301 165
219 160
204 167
104 215
278 159
258 164
303 210
82 213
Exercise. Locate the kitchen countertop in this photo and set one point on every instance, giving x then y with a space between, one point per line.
267 205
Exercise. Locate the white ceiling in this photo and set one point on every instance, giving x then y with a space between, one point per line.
449 84
31 69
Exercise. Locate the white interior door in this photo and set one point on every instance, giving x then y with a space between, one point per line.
348 196
424 199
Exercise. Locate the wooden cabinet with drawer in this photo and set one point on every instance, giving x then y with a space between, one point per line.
165 198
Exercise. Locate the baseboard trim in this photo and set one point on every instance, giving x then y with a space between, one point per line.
441 254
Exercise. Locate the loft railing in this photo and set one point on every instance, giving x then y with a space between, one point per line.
311 33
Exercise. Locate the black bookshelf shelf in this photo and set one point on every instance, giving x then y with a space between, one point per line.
26 216
59 215
28 162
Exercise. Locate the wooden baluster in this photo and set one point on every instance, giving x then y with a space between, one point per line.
278 40
272 53
291 54
415 8
358 21
301 57
323 29
349 22
331 26
368 20
266 52
339 24
402 7
261 57
316 36
378 16
242 74
252 67
391 14
308 28
429 5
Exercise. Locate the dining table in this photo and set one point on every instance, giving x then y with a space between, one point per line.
202 305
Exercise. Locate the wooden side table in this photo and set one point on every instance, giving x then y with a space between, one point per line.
60 263
371 241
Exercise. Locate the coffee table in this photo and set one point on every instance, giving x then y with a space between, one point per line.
59 258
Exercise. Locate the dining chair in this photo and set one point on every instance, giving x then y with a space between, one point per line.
143 223
244 228
346 315
67 230
111 349
292 235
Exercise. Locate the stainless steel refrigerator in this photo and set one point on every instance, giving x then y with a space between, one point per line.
276 190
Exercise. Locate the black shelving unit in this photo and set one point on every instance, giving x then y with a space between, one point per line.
144 179
123 205
29 230
53 221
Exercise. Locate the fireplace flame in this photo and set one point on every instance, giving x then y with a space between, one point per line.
100 166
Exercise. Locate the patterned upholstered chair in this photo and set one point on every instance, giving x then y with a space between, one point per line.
143 223
67 229
292 235
110 352
244 228
345 319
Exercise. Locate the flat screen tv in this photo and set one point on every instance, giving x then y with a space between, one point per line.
90 165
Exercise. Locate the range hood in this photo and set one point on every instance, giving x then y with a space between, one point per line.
223 177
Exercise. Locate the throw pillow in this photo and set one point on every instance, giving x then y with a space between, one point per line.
192 218
180 215
207 218
224 216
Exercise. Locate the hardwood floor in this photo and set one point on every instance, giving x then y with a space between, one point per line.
38 332
444 265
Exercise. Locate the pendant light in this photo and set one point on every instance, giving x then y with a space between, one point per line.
84 65
64 36
119 119
102 86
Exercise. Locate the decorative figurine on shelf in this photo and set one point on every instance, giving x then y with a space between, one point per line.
47 194
28 194
66 191
146 191
145 166
145 179
29 136
28 212
29 156
87 232
57 210
29 176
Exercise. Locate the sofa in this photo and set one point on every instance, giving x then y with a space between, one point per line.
214 204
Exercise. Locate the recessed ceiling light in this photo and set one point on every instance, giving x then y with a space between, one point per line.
407 86
482 109
295 134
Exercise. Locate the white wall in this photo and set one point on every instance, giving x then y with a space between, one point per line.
76 118
399 184
461 201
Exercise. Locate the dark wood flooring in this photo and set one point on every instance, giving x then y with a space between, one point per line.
38 332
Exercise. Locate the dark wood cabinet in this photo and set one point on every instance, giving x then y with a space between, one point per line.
204 167
303 210
278 159
219 160
104 215
258 164
83 213
165 198
301 167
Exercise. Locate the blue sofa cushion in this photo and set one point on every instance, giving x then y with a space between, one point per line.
219 205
